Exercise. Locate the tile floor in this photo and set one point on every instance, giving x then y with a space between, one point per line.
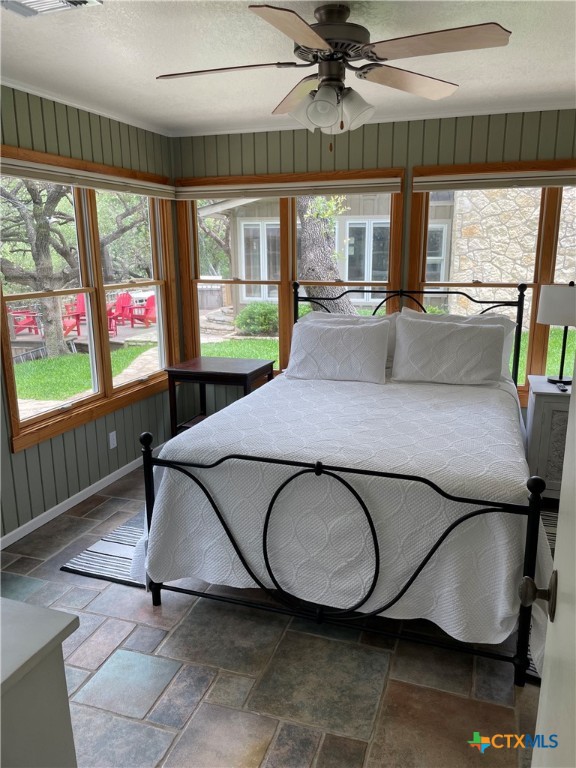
200 684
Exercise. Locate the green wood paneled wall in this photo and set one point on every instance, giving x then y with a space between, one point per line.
484 138
32 122
35 480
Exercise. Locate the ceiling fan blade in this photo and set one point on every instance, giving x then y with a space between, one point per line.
292 99
292 25
411 82
280 64
444 41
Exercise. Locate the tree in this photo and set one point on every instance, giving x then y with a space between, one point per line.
317 218
39 251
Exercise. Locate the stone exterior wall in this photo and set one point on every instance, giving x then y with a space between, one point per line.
566 253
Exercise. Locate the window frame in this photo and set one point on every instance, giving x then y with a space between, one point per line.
262 225
285 187
109 398
536 174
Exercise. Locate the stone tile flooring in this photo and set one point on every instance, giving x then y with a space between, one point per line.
197 683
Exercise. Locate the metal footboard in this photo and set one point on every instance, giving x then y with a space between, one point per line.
285 602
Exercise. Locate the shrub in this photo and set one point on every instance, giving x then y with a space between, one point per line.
258 319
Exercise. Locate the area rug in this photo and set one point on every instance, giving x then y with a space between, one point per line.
111 557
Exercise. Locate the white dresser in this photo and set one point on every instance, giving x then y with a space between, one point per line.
36 727
546 424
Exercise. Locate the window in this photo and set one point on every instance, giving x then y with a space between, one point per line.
238 269
250 249
495 236
82 295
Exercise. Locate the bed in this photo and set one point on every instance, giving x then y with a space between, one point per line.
345 499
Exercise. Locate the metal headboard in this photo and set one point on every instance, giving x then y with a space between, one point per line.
412 295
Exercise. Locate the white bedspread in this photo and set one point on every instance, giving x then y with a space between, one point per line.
468 440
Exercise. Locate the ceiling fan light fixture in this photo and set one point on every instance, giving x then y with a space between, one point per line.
323 110
300 110
356 110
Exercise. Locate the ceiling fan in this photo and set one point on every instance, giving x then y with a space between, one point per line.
321 99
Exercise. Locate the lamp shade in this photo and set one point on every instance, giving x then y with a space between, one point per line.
557 305
357 111
323 110
299 113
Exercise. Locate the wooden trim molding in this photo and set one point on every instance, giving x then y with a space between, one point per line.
418 240
483 169
292 178
70 163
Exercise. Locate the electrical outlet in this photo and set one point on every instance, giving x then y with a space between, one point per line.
112 439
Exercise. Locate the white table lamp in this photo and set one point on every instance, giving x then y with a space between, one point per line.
557 306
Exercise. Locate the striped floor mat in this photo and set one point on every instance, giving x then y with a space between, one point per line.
111 557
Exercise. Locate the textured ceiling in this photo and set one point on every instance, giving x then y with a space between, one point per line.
106 58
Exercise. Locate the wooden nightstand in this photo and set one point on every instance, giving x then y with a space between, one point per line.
214 370
546 425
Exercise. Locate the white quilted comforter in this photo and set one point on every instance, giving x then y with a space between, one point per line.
468 440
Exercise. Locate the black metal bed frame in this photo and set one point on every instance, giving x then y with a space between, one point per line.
286 603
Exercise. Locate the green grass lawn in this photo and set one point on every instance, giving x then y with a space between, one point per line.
257 349
59 378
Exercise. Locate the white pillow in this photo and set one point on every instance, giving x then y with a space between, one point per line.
334 318
355 352
447 353
508 325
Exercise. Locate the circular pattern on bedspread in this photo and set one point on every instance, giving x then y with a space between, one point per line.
325 550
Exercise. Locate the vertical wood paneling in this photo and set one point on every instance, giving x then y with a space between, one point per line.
46 459
134 148
547 135
83 463
355 145
496 133
530 131
383 142
326 152
62 130
106 136
463 140
22 112
248 154
125 145
222 156
35 485
314 149
341 153
85 135
479 143
260 153
211 156
198 157
37 123
273 147
286 151
185 163
236 154
447 141
416 142
300 151
430 149
369 141
116 143
58 462
512 137
9 129
9 504
142 150
72 459
96 139
400 145
74 133
566 134
50 131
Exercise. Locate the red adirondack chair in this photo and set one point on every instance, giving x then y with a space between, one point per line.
143 313
121 310
24 320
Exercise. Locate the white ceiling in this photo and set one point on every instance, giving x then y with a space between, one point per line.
106 58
